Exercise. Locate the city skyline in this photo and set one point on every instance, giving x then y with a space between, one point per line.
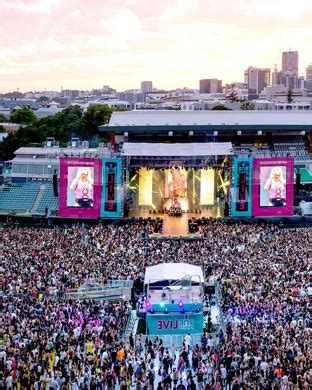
46 44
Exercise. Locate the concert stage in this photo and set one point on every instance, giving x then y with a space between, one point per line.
177 226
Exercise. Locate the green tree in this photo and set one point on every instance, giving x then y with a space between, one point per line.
96 115
220 107
290 95
23 116
62 126
3 119
231 94
246 105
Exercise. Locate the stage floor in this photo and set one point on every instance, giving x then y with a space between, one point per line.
177 226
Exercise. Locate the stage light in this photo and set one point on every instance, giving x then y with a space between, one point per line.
162 304
215 133
181 304
151 311
182 311
166 311
148 304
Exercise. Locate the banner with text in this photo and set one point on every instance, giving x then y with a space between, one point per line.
112 188
242 180
174 323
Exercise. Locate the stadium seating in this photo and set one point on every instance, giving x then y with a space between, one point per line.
291 147
31 197
47 200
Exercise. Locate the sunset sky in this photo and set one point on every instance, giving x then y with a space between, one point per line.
85 44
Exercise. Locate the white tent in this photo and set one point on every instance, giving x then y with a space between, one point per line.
173 271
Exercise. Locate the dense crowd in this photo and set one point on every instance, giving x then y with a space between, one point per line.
51 343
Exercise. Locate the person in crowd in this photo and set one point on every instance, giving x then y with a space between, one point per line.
48 342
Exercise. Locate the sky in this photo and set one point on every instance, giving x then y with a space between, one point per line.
85 44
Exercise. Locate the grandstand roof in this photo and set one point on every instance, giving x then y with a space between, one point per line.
177 149
137 120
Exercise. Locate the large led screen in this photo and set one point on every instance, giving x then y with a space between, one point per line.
112 188
80 188
242 179
161 188
273 186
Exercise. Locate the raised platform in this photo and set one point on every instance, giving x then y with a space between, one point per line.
177 226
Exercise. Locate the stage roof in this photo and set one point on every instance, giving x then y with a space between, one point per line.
176 150
173 271
140 120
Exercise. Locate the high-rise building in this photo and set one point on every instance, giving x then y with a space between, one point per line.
290 62
276 76
210 86
309 72
146 86
257 80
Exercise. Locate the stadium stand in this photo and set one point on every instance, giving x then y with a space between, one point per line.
30 197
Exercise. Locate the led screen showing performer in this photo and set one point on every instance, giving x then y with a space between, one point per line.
177 182
273 186
80 187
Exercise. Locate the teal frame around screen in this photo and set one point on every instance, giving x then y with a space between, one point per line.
242 164
118 183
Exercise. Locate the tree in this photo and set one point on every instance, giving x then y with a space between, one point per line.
23 116
290 95
231 94
220 107
97 115
246 105
43 100
62 126
3 119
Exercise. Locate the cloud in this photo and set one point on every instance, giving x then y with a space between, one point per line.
39 6
83 44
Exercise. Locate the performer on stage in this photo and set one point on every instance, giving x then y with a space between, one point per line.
176 204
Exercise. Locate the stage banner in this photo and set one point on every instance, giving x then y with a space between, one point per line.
174 323
80 188
242 180
273 187
112 188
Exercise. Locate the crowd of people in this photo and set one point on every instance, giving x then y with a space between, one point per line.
51 343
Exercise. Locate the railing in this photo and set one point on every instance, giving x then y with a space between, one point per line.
130 327
94 289
176 339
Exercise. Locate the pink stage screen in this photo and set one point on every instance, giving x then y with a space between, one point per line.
80 188
272 187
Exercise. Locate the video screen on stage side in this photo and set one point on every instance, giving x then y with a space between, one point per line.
273 186
80 187
80 182
160 188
